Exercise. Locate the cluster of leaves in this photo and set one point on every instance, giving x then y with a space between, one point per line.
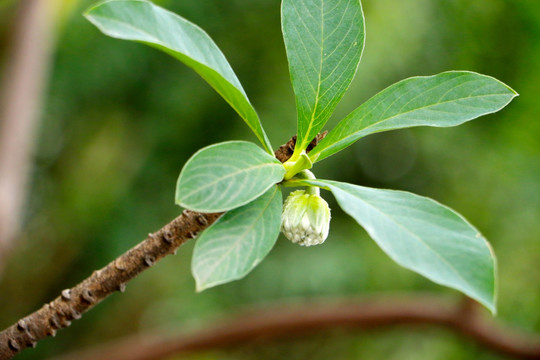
324 40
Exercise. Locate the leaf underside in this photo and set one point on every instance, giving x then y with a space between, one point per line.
225 176
236 243
324 40
443 100
144 22
422 235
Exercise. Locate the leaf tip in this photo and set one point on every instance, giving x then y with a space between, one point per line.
512 92
491 306
489 303
200 285
199 288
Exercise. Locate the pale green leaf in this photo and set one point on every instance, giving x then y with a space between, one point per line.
324 41
447 99
237 242
144 22
422 235
225 176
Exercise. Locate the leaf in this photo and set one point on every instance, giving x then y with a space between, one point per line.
227 175
324 41
236 243
144 22
422 235
447 99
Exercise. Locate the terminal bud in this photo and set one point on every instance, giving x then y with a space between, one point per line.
306 218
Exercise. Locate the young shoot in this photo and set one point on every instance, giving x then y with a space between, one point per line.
324 41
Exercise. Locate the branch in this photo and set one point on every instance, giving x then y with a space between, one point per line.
20 101
281 322
72 303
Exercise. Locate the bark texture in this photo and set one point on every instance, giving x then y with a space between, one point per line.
72 303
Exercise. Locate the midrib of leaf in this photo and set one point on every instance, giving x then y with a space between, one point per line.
128 25
416 237
336 68
228 176
319 149
305 142
231 248
438 102
420 108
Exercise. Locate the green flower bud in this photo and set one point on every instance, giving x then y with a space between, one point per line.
306 218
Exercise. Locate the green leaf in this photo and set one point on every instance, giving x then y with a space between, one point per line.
227 175
152 25
447 99
324 41
236 243
422 235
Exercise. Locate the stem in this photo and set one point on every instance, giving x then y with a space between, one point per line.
308 175
293 167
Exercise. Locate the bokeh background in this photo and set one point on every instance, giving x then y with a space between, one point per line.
119 120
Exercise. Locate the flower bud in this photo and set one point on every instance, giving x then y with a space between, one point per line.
306 218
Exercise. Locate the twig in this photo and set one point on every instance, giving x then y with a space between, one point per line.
20 103
72 303
284 322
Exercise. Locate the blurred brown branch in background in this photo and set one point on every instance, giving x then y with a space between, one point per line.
293 321
21 96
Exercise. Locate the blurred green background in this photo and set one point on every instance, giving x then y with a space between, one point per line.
120 119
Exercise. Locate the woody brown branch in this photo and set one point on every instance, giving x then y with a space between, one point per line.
72 303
